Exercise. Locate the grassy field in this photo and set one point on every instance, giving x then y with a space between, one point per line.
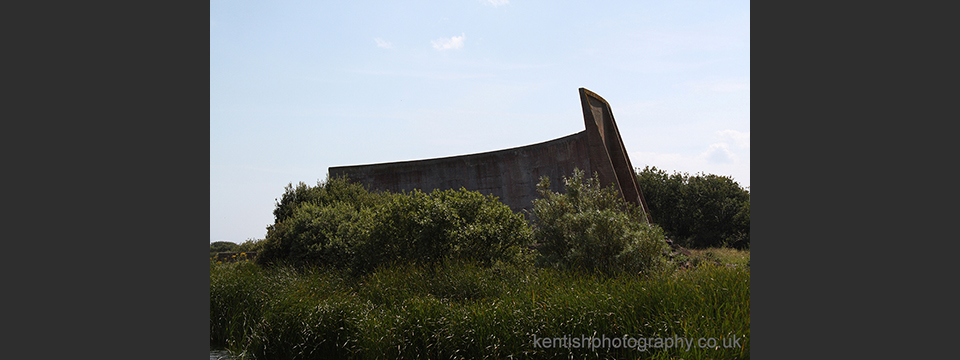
462 311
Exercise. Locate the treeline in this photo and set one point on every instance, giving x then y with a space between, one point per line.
227 246
698 211
343 225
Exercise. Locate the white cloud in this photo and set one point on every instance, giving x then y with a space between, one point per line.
455 42
495 3
718 159
719 154
383 44
742 140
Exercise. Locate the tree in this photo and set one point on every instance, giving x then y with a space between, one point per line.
698 211
222 246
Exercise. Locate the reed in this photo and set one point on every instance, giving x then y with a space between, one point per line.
466 311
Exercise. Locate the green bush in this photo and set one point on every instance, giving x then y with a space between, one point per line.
592 228
314 225
698 211
325 193
222 246
342 225
250 245
450 224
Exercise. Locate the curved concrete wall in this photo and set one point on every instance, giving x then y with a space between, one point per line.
513 174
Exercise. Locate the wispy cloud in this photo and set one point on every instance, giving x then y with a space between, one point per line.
720 164
455 42
719 154
383 44
719 159
495 3
741 139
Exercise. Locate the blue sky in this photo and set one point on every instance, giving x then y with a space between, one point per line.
299 86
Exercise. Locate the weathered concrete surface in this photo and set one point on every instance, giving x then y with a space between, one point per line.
513 174
608 156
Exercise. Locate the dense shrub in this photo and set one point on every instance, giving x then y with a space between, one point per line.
698 211
222 246
341 224
312 223
325 193
250 245
592 228
450 224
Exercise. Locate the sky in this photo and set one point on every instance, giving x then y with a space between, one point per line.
297 87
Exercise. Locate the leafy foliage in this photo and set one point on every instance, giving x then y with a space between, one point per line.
333 191
445 275
250 245
222 246
698 211
592 228
341 224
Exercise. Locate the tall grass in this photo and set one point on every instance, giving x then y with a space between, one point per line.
465 311
723 255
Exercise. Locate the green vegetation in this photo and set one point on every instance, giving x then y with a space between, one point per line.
591 228
222 246
250 245
463 311
698 211
346 273
723 256
339 224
